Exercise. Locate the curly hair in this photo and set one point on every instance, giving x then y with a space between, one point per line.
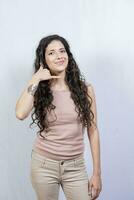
43 96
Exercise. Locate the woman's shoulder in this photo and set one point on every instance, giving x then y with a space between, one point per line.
90 87
88 84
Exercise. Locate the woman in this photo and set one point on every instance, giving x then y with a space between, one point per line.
63 104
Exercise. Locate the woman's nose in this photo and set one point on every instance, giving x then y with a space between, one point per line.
59 55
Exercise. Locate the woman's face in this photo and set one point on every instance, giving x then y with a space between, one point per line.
56 56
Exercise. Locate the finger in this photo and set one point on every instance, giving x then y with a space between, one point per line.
55 77
45 69
98 190
94 197
94 194
41 67
90 188
90 191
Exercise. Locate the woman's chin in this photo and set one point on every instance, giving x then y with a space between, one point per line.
57 71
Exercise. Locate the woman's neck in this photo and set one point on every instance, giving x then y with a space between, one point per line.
61 87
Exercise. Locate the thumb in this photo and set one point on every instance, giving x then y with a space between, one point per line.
41 66
90 187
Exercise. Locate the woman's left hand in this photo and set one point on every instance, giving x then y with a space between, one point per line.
94 186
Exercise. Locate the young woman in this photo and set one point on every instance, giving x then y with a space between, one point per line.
62 105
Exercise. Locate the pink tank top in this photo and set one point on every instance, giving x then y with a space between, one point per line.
65 140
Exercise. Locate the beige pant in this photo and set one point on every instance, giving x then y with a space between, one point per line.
47 175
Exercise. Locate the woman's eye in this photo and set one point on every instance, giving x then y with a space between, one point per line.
50 53
63 51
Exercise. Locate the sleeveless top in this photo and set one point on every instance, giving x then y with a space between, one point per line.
65 140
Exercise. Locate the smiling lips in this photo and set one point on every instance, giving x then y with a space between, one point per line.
60 62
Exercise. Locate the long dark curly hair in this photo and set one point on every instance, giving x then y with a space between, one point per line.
43 96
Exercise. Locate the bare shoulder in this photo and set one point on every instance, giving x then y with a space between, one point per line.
88 84
91 95
90 87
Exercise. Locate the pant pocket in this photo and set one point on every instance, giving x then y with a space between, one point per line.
80 162
37 161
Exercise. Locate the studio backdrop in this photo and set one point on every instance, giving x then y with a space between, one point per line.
101 37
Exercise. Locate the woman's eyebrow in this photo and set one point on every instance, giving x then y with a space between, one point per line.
54 49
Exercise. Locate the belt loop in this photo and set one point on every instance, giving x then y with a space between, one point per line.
75 162
43 163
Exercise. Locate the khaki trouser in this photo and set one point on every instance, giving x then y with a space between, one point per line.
47 175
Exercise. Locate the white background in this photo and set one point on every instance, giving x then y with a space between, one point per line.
101 36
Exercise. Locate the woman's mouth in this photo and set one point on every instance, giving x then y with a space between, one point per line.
60 62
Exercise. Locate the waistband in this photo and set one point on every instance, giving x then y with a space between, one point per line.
36 155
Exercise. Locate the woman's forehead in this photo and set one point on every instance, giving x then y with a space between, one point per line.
55 44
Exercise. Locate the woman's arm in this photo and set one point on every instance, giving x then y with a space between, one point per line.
95 184
93 135
25 102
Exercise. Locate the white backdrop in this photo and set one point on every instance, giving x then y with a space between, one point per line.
101 36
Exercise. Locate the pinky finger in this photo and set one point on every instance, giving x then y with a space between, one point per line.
55 77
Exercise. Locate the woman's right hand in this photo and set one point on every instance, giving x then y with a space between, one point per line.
43 74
